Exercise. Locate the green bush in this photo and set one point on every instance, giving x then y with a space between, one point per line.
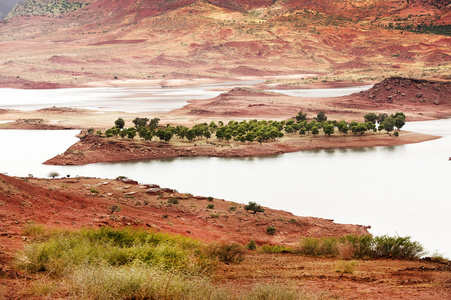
227 253
210 206
397 247
271 230
274 249
173 201
110 263
93 190
318 246
63 251
345 266
361 247
252 245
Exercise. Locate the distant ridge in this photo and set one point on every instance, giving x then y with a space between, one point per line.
6 6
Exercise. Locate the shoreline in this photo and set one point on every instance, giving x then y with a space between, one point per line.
94 149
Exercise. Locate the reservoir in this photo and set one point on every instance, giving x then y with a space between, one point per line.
397 190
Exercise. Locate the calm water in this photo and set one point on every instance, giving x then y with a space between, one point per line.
138 99
397 190
336 92
128 99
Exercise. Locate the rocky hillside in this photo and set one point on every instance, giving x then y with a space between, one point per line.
6 6
80 202
46 7
408 90
380 12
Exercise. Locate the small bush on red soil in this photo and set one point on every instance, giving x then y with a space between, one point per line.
228 252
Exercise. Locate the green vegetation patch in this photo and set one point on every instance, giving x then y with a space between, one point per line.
46 7
110 263
61 252
361 247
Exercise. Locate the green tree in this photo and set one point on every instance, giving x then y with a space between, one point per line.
329 129
154 122
321 116
381 118
301 116
253 206
109 133
315 130
400 121
120 123
140 122
190 135
389 124
227 136
167 136
131 133
370 117
54 174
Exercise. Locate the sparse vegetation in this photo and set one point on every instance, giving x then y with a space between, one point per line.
115 208
361 247
274 249
347 267
227 252
252 245
271 230
54 174
253 206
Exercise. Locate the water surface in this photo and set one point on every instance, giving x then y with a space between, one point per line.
397 190
138 99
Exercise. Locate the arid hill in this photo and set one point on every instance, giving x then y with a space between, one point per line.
297 42
80 202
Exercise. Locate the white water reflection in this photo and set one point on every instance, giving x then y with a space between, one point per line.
321 93
397 190
138 99
127 99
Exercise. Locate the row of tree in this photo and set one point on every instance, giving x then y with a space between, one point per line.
254 130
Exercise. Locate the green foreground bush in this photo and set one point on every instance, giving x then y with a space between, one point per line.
110 263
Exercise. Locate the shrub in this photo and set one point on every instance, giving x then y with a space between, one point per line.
210 206
271 230
93 190
254 207
214 216
252 245
360 246
173 201
397 247
227 253
64 251
210 198
318 246
274 249
232 208
54 174
345 266
115 208
33 231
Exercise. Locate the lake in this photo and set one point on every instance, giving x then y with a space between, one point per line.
138 98
397 190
